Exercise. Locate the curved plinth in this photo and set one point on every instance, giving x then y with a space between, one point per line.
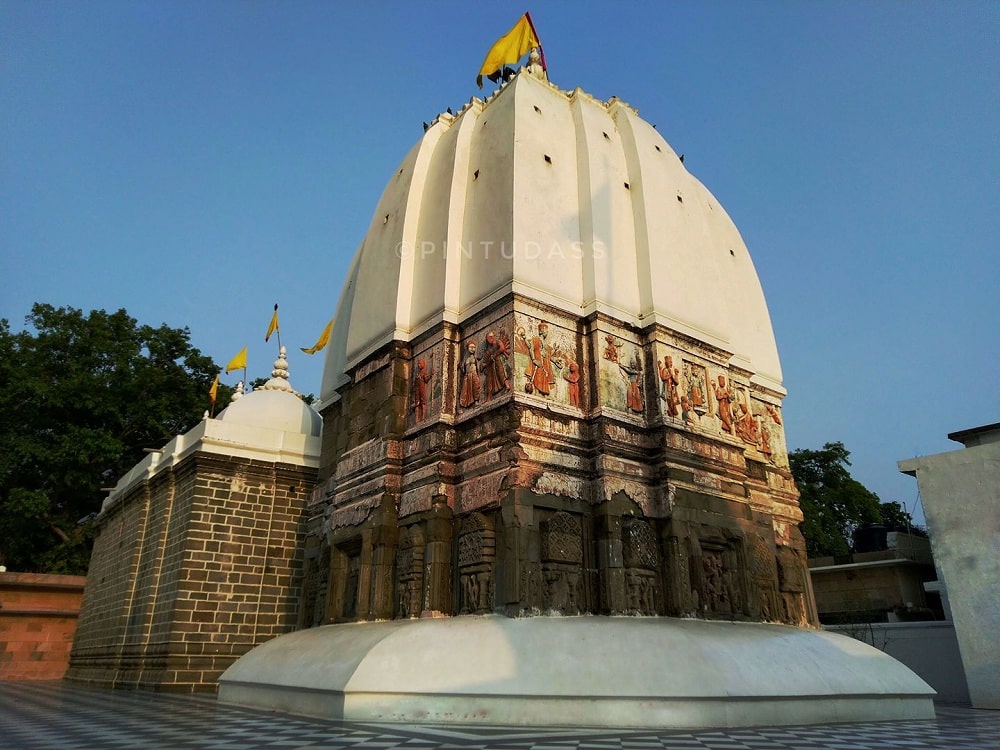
576 671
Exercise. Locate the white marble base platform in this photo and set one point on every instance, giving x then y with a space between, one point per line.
576 671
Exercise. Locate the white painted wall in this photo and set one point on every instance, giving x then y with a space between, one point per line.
930 649
960 491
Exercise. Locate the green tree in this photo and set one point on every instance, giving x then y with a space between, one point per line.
833 502
82 396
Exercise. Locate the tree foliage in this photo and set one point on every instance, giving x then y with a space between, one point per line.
81 397
834 503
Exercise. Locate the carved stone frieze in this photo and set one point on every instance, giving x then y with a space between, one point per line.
536 463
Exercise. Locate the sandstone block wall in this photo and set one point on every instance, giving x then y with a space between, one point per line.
38 617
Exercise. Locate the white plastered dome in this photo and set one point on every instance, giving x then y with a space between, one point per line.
562 198
274 410
274 406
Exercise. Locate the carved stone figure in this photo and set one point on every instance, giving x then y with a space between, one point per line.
765 439
633 391
469 368
696 386
724 398
774 413
539 374
669 380
746 424
494 362
573 378
420 381
688 413
611 348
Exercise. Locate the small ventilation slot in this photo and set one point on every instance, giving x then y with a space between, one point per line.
657 148
538 110
606 136
475 175
548 159
627 186
385 219
680 198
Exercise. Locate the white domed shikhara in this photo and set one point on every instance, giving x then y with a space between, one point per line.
573 202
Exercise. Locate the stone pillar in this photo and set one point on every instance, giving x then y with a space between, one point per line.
383 557
437 560
610 566
518 589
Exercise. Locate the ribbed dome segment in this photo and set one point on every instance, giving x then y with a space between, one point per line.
574 202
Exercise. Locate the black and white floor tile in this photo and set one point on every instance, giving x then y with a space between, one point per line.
61 716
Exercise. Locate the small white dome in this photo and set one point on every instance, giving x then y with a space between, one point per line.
274 410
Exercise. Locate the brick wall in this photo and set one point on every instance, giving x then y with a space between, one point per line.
190 571
38 616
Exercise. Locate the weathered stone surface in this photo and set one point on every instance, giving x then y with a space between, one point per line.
518 491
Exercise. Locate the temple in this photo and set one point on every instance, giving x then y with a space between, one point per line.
552 485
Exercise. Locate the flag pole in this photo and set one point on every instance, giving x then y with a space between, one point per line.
541 51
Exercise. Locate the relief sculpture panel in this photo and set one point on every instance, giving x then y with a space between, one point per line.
409 571
621 376
476 557
562 562
641 560
546 363
484 366
426 388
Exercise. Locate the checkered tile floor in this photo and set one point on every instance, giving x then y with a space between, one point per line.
60 716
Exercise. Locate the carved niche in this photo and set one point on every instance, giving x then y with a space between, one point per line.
641 561
409 571
314 588
562 562
792 585
721 588
765 576
477 553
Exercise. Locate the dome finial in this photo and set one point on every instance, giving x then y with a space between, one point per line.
279 375
280 365
238 393
534 66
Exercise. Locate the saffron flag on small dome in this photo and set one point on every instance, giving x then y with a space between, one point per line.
510 48
239 362
273 326
324 339
213 392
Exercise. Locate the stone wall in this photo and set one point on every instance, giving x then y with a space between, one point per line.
190 570
38 616
526 462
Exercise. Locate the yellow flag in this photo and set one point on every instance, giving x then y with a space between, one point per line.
273 326
324 339
214 390
239 362
510 48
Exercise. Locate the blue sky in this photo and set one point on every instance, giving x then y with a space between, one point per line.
196 162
